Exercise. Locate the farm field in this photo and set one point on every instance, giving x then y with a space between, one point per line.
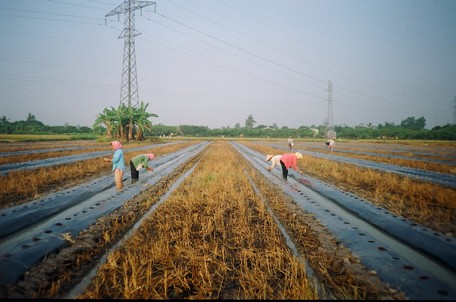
216 224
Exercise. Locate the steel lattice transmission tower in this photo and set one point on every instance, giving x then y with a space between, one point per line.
129 88
454 111
329 127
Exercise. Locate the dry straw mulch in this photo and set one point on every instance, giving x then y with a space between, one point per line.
213 238
431 205
19 187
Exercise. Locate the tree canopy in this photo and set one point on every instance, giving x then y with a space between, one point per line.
125 123
134 123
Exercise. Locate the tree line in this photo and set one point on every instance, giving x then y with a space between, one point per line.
32 126
133 123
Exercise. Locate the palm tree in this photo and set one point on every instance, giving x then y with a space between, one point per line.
4 122
250 122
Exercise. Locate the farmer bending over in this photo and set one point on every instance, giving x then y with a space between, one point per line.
275 160
289 160
138 162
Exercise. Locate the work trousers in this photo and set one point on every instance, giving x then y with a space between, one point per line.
134 172
284 170
118 174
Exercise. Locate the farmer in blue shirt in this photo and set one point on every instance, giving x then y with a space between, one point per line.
118 163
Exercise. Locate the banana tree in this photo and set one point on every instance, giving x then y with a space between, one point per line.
122 121
142 120
125 122
107 119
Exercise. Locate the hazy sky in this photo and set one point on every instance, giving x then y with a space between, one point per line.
214 62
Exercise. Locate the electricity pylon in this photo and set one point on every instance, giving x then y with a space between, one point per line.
129 88
329 127
454 112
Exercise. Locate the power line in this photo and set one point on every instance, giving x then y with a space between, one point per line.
255 55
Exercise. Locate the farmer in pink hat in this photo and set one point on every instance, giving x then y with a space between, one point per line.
118 163
138 162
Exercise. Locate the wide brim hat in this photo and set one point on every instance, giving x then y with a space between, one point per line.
151 156
298 155
268 157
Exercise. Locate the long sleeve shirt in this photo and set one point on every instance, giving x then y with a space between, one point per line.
275 160
140 161
290 160
118 161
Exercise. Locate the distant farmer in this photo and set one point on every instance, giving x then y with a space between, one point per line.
331 144
118 163
275 160
290 142
289 160
138 162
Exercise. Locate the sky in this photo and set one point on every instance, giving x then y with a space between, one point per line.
287 63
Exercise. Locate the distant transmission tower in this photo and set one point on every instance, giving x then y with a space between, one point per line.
329 127
454 111
129 89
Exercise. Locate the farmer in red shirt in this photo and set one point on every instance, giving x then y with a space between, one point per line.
289 160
